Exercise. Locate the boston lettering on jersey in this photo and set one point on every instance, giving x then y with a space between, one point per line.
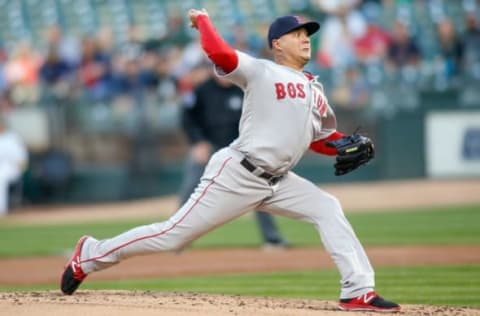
297 90
293 90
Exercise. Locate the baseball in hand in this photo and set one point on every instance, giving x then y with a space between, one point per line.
193 14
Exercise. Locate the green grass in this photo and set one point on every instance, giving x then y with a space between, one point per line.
453 226
448 226
445 285
438 285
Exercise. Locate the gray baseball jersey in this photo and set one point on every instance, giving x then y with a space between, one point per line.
284 111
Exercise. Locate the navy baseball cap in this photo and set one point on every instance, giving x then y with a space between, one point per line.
287 24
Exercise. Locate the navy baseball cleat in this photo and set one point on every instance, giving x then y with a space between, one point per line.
370 301
73 274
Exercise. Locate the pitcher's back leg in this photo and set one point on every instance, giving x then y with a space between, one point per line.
215 201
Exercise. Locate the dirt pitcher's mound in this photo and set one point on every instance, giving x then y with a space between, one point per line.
100 303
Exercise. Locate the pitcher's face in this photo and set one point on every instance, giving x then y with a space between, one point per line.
296 45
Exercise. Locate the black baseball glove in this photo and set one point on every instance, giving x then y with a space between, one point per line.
352 152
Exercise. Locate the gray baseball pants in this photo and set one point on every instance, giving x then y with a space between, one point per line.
226 191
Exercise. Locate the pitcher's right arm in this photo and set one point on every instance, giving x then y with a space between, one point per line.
217 50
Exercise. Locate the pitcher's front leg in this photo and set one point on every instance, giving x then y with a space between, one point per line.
298 198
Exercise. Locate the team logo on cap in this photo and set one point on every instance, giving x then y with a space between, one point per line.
298 18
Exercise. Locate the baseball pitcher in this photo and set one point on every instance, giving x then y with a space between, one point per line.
285 113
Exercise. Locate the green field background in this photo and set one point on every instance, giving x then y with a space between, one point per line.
446 285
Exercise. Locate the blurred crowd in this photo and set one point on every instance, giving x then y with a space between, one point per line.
366 52
355 52
387 45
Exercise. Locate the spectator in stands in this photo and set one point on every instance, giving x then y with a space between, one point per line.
105 37
373 45
54 76
22 74
148 70
13 160
471 46
54 68
403 50
127 83
3 80
450 49
5 102
95 71
67 47
133 46
167 84
177 34
134 78
352 91
344 24
190 70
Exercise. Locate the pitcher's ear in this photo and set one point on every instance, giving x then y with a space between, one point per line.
275 43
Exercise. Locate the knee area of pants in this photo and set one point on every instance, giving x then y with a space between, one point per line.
175 245
329 207
332 203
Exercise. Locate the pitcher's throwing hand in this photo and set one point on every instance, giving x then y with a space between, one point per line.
193 14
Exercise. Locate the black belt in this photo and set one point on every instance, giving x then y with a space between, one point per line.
272 179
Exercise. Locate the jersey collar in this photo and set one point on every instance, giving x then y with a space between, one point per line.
310 76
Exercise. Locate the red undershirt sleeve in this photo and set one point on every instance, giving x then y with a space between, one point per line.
320 146
218 51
